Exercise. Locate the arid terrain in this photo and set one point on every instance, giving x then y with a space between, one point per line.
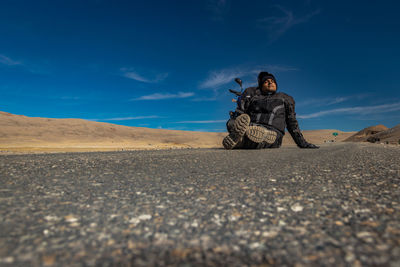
20 133
377 134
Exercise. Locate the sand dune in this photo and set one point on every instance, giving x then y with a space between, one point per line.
21 133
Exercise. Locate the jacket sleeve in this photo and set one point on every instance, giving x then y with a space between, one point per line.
292 124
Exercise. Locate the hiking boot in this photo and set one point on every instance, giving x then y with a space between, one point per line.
239 129
259 134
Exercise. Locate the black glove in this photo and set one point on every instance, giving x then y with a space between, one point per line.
308 145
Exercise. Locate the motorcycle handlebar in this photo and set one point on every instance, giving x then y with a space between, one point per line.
235 92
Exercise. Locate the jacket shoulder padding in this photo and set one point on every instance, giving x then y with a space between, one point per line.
250 91
288 99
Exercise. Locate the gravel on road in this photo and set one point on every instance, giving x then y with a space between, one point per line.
334 206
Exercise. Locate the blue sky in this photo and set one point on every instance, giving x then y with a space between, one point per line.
169 64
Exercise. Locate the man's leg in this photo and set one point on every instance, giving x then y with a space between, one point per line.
261 134
278 141
237 129
229 125
247 143
276 144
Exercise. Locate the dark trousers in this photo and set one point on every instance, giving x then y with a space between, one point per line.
246 143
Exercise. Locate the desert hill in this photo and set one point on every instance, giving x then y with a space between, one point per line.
22 133
390 136
377 134
365 133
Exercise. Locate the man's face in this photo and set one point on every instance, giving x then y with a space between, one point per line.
269 85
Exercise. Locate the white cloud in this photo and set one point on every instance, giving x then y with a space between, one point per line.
162 96
323 101
337 100
128 118
221 77
205 99
366 110
328 101
33 68
132 74
8 61
199 122
276 26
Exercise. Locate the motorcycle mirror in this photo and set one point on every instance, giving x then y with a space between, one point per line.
239 81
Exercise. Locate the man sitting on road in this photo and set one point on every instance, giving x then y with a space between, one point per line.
261 116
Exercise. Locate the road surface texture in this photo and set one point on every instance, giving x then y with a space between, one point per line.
335 206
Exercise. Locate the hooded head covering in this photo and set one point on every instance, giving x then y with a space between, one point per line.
263 76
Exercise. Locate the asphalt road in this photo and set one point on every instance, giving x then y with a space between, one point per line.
335 206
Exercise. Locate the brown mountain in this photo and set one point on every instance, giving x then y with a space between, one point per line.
21 133
366 133
390 136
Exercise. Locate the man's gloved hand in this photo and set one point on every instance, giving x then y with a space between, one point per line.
308 145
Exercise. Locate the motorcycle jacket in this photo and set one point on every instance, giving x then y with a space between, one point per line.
273 110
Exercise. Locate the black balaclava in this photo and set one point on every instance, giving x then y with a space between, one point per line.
263 76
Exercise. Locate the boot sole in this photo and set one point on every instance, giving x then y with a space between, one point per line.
260 134
239 129
241 124
229 142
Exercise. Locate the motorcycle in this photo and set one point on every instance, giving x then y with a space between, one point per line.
238 100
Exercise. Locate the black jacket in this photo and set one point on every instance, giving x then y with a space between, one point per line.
273 110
